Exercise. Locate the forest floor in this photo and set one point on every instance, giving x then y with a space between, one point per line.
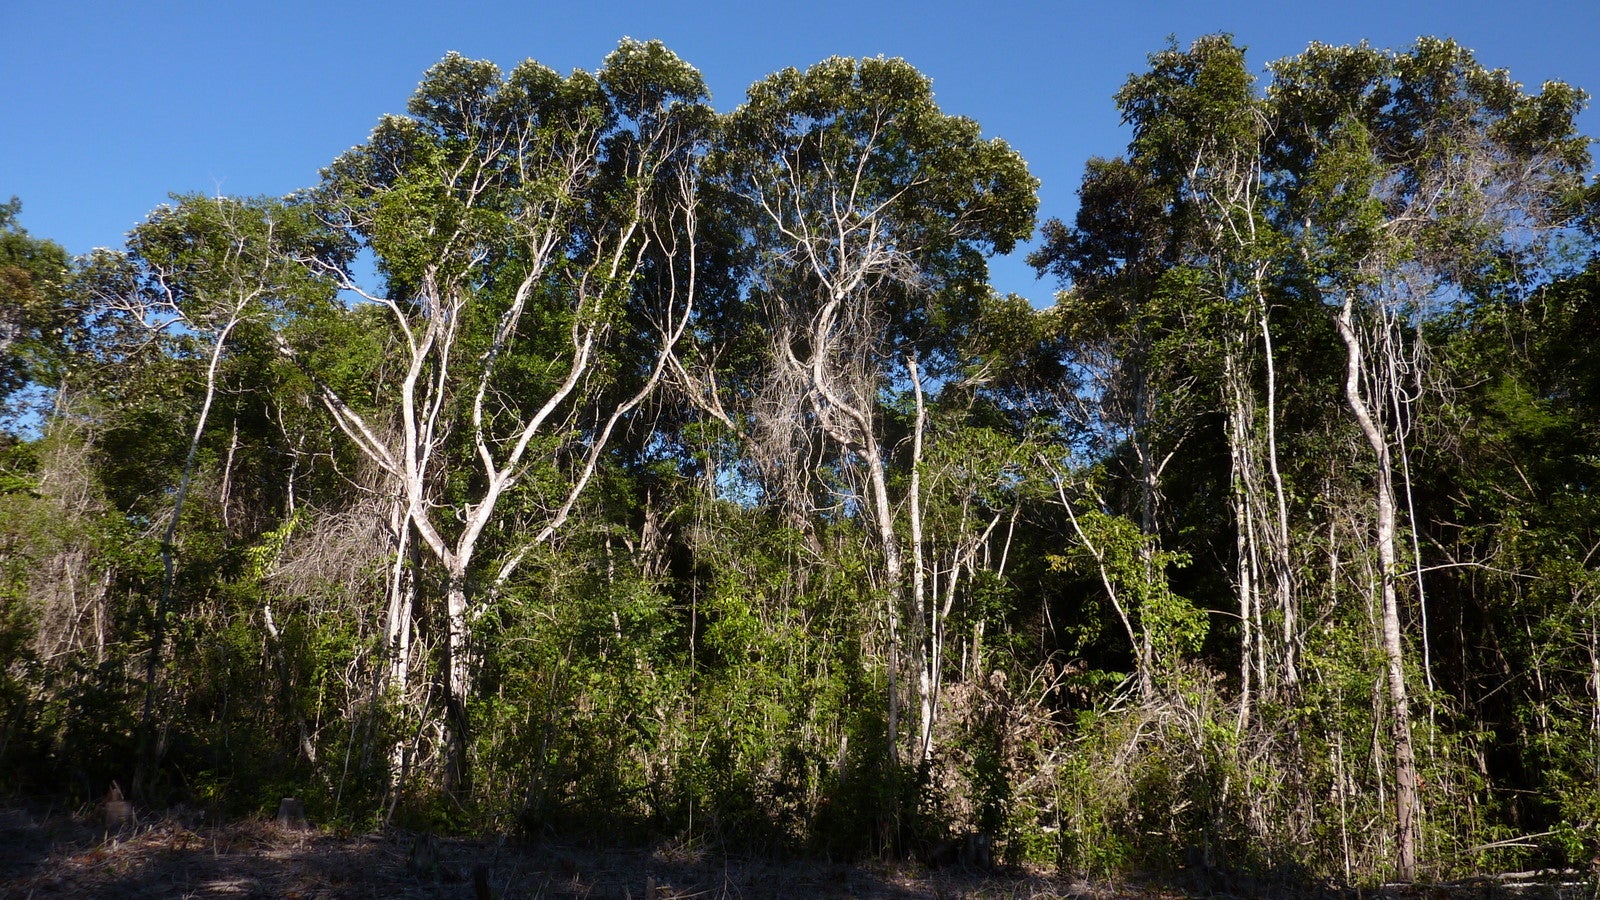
46 853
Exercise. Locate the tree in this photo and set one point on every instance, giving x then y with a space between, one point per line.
1411 180
1173 264
511 217
1362 197
869 215
1123 325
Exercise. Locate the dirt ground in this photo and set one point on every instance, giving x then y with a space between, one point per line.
53 854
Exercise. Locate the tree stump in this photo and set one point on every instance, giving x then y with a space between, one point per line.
116 812
292 814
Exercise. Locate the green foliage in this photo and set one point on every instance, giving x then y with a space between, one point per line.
1171 625
39 316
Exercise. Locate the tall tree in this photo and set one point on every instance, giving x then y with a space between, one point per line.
870 213
1199 129
1410 181
1167 266
511 216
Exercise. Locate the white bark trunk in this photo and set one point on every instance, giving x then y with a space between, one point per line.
458 684
927 671
1407 811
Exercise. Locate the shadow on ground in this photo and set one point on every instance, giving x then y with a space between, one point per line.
51 854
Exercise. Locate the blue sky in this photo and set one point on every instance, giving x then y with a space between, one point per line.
110 106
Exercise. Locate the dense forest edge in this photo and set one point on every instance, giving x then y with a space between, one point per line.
574 460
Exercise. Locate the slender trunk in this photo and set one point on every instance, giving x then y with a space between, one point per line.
1283 564
1148 487
1406 804
458 686
1148 477
893 576
893 587
150 750
402 578
1244 573
396 680
225 493
1252 544
927 671
289 480
1398 402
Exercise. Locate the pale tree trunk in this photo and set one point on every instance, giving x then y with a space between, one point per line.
927 669
1407 811
1399 402
1229 182
225 493
402 595
402 590
844 404
1264 575
963 558
458 682
933 603
1251 671
1283 562
893 581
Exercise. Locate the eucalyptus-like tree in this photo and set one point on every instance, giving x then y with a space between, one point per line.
869 213
510 217
1411 181
679 473
1363 196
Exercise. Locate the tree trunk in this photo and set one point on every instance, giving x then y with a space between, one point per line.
894 578
397 629
1283 564
927 670
1244 573
1406 804
458 686
402 581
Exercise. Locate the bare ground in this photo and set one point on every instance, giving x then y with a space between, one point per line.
45 854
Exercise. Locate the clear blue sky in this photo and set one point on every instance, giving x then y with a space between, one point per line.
110 106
